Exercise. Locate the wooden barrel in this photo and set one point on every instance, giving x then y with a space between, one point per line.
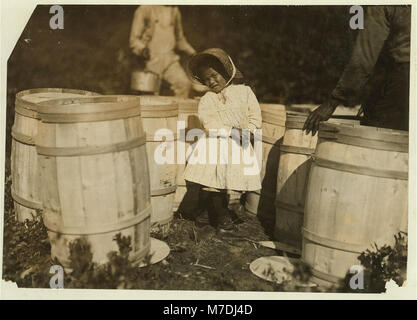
357 195
161 113
94 174
294 167
273 127
24 163
188 114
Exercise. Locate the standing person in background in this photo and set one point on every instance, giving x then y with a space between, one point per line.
388 28
155 33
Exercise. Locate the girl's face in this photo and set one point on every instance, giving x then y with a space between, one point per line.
212 79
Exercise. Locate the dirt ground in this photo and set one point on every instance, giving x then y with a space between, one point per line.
200 258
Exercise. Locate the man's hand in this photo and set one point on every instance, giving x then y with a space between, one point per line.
322 113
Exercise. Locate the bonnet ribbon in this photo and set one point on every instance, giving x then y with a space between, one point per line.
233 72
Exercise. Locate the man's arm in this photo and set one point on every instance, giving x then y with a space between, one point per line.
182 43
368 46
138 25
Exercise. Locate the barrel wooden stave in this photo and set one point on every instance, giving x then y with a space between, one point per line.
349 208
25 175
273 128
95 195
293 173
25 186
294 166
187 112
160 113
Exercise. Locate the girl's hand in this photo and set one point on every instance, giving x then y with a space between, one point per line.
236 134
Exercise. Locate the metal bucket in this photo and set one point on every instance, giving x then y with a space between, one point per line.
145 81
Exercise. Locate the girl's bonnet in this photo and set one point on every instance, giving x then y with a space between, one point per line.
221 56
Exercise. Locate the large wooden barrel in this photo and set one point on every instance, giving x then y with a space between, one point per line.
293 171
273 127
161 113
357 195
94 175
188 117
24 163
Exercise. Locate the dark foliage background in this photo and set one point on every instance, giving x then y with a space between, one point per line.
289 54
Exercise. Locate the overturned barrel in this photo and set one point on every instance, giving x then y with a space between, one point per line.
24 163
357 196
94 175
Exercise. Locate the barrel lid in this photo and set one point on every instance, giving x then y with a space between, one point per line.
365 136
89 109
30 99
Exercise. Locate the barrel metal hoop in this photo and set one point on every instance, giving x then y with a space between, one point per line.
23 138
363 142
289 207
270 140
26 112
91 230
361 170
297 150
273 118
333 244
291 124
90 150
90 117
29 106
163 191
24 202
160 111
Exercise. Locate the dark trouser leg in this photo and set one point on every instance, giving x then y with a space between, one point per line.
217 208
190 205
388 107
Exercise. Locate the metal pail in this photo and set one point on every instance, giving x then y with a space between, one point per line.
145 81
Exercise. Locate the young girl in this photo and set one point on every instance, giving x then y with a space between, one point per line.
227 109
